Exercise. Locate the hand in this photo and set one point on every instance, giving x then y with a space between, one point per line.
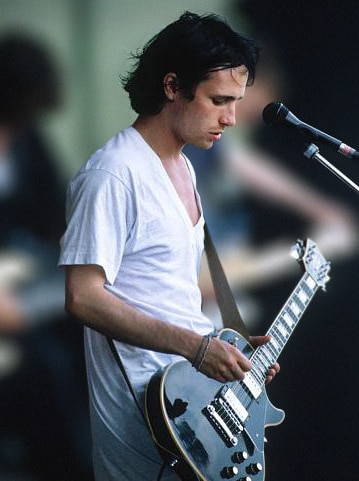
224 362
257 341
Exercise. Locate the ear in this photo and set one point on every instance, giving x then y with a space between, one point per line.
170 84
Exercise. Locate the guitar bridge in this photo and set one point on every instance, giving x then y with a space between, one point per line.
226 413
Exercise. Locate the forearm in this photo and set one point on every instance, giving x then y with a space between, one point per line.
88 300
96 307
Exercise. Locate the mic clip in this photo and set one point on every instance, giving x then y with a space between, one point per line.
312 152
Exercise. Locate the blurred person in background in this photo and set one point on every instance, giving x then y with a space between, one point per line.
43 409
236 178
317 44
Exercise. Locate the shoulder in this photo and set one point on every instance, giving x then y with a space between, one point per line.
121 158
114 170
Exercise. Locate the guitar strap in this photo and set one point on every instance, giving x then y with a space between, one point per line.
133 394
231 317
227 305
124 373
230 314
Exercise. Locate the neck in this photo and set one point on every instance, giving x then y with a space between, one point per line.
156 132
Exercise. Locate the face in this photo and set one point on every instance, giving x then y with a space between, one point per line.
201 121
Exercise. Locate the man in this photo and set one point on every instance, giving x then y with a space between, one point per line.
135 236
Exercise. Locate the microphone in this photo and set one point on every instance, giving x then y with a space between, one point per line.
276 113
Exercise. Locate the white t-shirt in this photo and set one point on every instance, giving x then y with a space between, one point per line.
125 215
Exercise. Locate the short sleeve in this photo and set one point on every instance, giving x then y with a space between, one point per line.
99 212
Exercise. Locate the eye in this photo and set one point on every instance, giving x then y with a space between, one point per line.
219 100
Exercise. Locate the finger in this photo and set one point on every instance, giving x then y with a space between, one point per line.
259 340
243 362
272 372
234 373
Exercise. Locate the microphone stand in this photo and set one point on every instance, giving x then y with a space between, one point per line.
312 152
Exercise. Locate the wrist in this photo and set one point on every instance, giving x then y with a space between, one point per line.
202 351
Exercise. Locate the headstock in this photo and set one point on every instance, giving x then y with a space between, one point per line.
312 261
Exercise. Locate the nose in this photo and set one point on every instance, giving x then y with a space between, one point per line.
228 117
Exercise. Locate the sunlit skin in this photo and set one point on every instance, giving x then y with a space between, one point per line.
201 121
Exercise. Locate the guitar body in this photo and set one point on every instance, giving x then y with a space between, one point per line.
194 434
209 431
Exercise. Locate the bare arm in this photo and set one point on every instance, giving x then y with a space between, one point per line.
262 176
92 304
332 224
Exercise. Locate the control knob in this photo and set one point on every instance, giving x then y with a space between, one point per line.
254 468
239 457
229 471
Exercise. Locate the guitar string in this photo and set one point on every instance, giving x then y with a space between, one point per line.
259 371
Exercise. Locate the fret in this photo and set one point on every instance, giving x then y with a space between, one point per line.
258 377
261 368
279 340
291 314
278 335
309 285
274 343
298 302
310 282
283 331
283 326
268 355
303 297
307 290
286 321
294 308
264 362
269 348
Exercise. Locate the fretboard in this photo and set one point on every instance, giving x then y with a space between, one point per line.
282 328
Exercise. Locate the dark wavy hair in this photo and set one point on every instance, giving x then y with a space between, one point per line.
191 47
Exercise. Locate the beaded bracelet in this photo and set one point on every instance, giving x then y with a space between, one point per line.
203 348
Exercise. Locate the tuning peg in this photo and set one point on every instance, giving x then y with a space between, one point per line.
297 250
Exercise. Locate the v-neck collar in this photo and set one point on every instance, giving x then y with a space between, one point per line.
168 182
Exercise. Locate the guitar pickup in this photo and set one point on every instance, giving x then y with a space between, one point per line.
233 403
226 413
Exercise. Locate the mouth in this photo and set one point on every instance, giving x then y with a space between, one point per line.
216 135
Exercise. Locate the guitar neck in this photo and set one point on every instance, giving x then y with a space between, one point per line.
282 328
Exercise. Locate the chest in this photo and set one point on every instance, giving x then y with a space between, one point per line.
182 182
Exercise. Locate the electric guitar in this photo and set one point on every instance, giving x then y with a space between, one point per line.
210 431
